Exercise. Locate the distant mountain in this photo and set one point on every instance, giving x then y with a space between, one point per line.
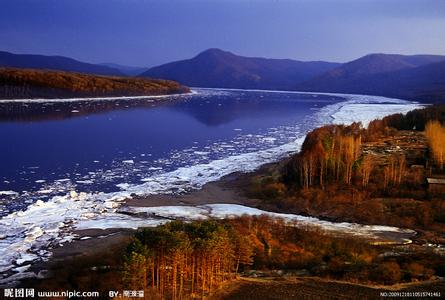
425 83
414 76
218 68
127 70
61 63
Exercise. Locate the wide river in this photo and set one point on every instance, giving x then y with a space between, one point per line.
62 162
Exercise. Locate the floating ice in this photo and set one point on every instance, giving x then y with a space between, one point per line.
63 180
154 168
85 181
8 193
46 191
123 186
201 152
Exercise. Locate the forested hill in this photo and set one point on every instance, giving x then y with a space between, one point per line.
28 83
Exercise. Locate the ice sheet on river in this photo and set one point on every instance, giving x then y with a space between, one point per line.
365 113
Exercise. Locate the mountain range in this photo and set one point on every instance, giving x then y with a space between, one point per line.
420 77
415 77
218 68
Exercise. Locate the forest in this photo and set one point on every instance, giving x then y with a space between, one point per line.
334 153
29 83
376 175
182 260
185 258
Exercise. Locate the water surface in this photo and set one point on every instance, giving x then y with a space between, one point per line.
53 148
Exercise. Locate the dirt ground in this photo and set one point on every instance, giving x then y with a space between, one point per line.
313 288
226 190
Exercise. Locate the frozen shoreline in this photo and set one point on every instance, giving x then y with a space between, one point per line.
27 235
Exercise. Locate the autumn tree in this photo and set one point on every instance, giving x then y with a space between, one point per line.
394 172
435 133
366 168
328 154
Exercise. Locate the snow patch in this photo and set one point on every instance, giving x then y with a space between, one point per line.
221 211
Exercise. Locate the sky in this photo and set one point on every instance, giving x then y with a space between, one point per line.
147 32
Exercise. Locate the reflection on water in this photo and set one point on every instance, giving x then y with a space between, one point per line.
208 112
253 105
58 111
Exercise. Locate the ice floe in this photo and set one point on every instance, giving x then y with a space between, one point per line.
8 193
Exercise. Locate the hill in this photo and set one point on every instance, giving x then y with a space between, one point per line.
420 77
218 68
27 83
61 63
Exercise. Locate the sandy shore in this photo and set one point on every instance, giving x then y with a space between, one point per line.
226 190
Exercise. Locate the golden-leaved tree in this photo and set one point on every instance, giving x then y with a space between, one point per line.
435 132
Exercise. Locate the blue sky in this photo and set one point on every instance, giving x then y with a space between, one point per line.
147 33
